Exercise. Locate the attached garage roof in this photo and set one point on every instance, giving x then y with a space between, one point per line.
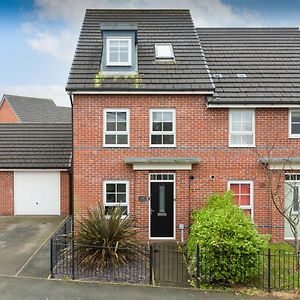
35 146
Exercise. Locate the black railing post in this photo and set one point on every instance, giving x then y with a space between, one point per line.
198 267
73 259
151 265
51 258
269 270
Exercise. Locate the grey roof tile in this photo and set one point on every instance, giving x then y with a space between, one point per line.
35 146
270 57
174 26
38 110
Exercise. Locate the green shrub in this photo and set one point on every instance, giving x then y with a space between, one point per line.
229 242
103 241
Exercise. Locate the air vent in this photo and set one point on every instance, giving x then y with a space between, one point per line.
241 75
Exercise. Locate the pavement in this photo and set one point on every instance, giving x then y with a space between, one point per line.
15 288
24 246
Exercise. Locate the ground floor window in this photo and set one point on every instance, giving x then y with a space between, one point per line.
292 192
243 193
116 193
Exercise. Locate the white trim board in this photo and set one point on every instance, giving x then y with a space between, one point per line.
244 106
142 92
162 166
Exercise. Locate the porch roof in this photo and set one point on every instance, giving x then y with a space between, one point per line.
282 163
162 163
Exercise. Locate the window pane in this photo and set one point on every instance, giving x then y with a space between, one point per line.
110 198
247 139
247 116
167 126
247 212
110 139
121 116
123 45
164 50
156 139
234 188
157 126
124 57
244 200
121 126
121 187
236 126
110 187
247 126
296 198
241 139
296 116
111 126
113 44
295 128
245 188
236 116
110 116
167 116
121 198
157 116
113 56
162 199
168 139
122 139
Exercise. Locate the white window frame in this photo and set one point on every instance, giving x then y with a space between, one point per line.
173 132
157 56
296 182
250 182
115 38
241 132
106 132
292 135
126 182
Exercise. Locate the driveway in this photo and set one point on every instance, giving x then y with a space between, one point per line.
24 244
30 289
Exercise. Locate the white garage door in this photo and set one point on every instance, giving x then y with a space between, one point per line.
37 193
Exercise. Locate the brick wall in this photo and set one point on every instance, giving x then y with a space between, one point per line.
64 193
6 193
200 132
7 115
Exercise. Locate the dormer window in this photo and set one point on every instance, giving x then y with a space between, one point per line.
118 51
164 51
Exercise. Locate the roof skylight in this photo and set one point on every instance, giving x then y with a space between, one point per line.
164 51
241 75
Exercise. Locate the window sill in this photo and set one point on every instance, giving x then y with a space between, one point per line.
162 146
292 136
116 146
242 146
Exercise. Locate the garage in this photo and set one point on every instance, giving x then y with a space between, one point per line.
37 193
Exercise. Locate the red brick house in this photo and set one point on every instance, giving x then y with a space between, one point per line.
164 115
35 157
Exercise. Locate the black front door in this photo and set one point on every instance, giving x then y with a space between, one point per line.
162 209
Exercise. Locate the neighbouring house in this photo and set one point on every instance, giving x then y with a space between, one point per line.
164 114
21 109
34 169
35 157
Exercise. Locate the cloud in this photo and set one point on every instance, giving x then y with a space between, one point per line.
205 12
60 45
55 92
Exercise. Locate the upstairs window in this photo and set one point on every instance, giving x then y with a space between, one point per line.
294 125
118 51
162 128
164 51
243 195
241 128
116 128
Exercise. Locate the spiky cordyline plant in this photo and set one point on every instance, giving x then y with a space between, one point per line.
103 241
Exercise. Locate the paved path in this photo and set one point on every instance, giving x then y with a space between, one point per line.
21 238
15 288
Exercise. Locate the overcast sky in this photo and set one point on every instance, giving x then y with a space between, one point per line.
39 36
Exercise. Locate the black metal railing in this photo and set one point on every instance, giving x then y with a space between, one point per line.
161 264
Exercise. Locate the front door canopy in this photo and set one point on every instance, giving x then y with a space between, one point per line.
162 163
281 163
